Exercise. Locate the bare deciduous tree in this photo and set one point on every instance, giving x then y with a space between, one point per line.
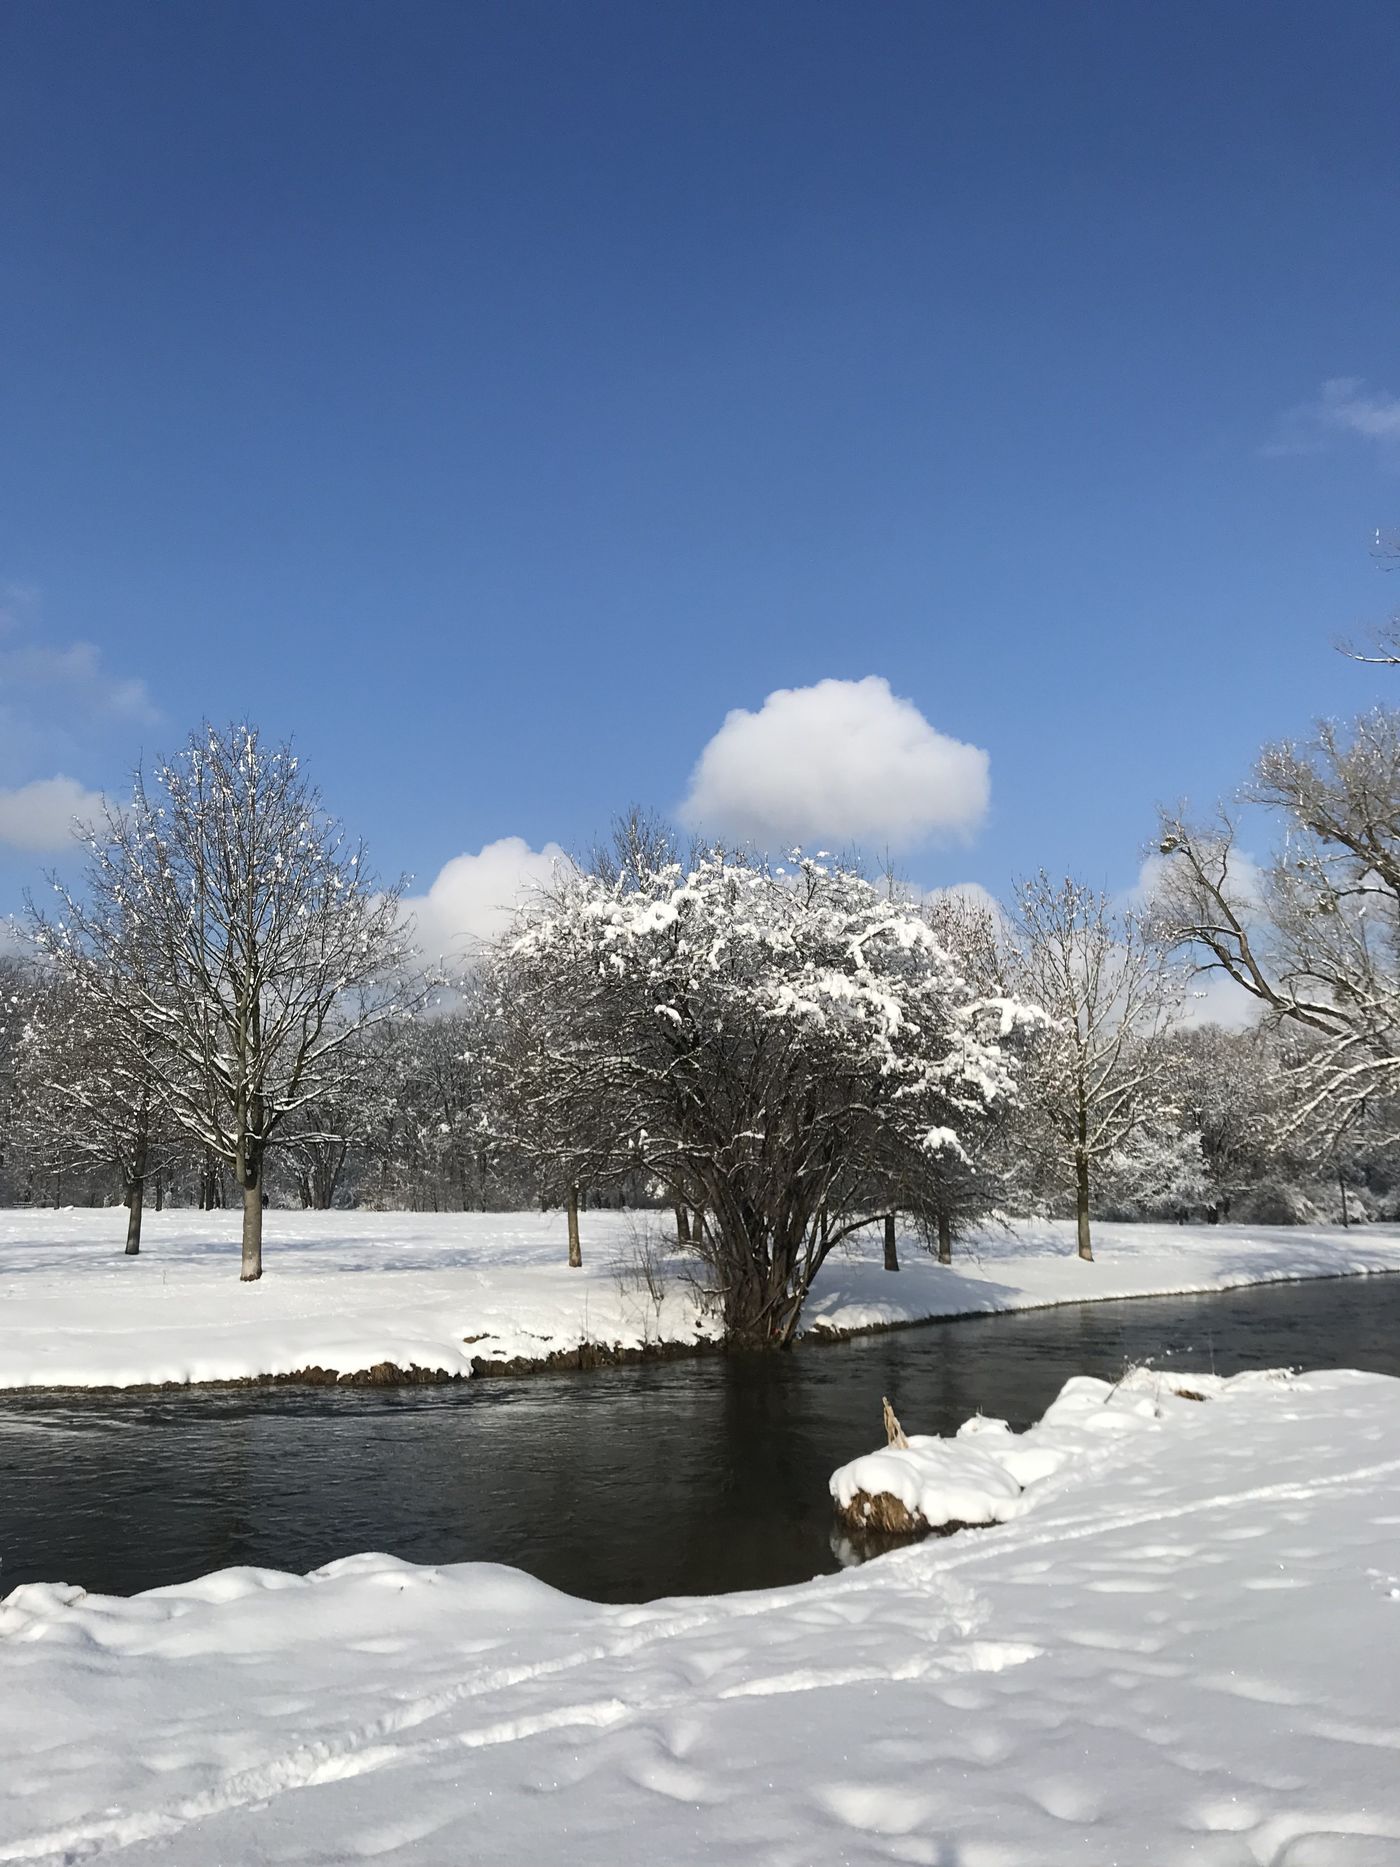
557 1094
18 996
1386 643
1110 993
1315 936
91 1100
265 947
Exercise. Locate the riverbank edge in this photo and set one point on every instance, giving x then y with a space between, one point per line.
587 1357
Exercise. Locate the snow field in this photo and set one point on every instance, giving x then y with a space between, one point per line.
352 1290
1177 1653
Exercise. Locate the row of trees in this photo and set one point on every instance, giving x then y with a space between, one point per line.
231 1005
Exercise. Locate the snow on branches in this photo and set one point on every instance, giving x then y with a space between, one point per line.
236 946
789 1051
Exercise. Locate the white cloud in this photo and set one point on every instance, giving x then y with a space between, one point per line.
473 896
78 672
1211 997
1349 406
1243 874
40 815
842 762
972 895
1214 998
1344 406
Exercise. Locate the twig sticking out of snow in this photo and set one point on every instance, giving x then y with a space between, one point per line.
894 1432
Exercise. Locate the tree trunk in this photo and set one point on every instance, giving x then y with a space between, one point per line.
764 1271
682 1223
135 1200
252 1230
891 1251
751 1308
1081 1204
211 1185
575 1249
136 1182
945 1239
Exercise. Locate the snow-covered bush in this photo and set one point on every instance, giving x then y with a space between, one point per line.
1159 1173
789 1051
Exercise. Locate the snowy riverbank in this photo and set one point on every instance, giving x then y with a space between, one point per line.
1169 1657
355 1291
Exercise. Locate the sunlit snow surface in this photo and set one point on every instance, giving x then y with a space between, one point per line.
985 1473
1182 1651
351 1290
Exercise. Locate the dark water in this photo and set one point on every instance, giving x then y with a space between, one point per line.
684 1477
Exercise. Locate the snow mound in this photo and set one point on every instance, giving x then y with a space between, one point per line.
987 1474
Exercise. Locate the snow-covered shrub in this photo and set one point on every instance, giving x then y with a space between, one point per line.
1273 1202
1158 1173
789 1051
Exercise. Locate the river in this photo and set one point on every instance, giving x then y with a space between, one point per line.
679 1477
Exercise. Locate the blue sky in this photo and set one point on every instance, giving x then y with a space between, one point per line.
495 396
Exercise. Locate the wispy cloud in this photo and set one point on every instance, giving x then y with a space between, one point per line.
78 672
63 710
18 604
1344 408
41 815
62 706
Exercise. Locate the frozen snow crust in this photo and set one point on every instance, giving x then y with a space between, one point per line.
1178 1654
441 1292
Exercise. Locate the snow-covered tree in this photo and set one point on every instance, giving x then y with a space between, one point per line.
780 1049
18 995
428 1141
1315 937
235 938
1110 996
1158 1173
558 1028
1229 1090
92 1102
956 1189
315 1148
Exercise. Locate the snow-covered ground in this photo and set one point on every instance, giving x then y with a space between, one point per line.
1181 1653
350 1291
985 1473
